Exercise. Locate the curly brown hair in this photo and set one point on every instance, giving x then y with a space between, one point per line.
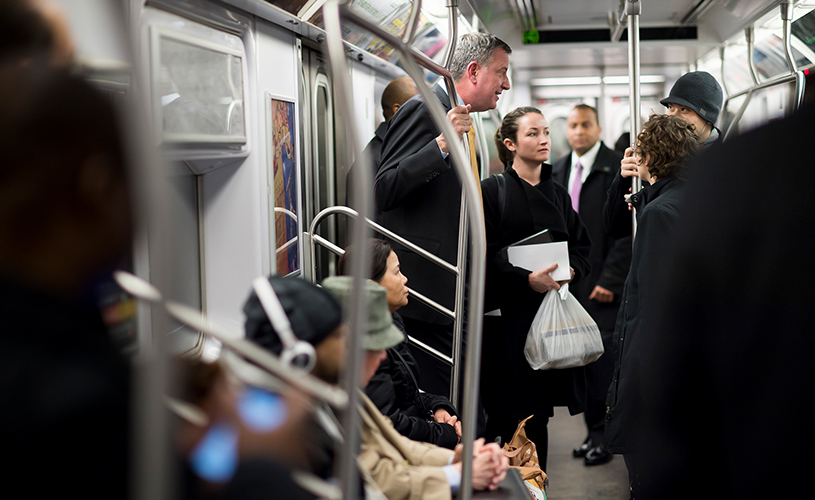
669 141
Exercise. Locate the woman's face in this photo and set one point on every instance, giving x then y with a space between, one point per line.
532 145
393 281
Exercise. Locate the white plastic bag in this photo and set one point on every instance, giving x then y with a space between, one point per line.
562 335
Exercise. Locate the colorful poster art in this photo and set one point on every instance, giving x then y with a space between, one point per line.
285 186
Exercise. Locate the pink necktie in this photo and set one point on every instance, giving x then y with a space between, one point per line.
576 185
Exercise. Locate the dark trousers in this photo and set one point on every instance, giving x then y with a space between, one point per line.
633 478
436 374
598 380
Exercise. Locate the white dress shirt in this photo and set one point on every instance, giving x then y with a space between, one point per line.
586 161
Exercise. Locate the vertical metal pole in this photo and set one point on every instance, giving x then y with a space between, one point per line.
410 29
458 322
750 36
633 9
461 258
363 199
724 80
475 218
786 17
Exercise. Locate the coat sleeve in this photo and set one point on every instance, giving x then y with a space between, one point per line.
615 211
418 429
616 266
411 157
501 275
413 473
654 235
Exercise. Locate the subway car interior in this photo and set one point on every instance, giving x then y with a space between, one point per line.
241 121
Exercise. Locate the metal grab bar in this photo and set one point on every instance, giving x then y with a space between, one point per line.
750 37
432 303
447 312
149 294
413 22
786 16
797 100
316 238
633 9
470 197
383 230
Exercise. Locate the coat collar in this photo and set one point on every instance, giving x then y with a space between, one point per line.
382 129
546 172
651 192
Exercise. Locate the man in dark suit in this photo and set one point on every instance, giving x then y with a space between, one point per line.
587 173
395 94
418 195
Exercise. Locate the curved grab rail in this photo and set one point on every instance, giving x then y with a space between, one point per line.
320 217
797 100
472 213
786 16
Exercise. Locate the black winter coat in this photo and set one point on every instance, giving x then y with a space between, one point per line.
610 258
657 216
507 378
394 390
418 196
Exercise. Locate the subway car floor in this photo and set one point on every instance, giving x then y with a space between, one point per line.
569 479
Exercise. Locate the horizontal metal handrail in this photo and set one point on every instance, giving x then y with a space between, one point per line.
769 83
420 58
316 238
472 216
339 209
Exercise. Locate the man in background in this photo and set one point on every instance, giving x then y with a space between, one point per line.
587 173
396 93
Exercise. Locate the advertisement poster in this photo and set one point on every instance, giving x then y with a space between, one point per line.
285 186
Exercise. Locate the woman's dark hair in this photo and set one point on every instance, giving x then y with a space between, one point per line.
670 141
380 251
509 130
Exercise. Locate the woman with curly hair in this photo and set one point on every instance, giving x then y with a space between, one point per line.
662 148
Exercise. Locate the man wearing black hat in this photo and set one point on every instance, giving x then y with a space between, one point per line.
696 98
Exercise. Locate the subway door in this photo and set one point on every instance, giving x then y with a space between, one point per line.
320 150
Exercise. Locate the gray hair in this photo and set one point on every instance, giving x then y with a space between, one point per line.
478 47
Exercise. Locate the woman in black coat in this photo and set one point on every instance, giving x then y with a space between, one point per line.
662 148
394 388
519 203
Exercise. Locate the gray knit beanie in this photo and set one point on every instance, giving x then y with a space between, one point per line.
699 91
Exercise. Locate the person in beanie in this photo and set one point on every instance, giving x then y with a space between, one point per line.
403 468
316 318
697 98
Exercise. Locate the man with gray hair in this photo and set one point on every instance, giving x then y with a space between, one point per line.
418 194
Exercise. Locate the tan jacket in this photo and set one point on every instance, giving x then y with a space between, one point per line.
404 469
